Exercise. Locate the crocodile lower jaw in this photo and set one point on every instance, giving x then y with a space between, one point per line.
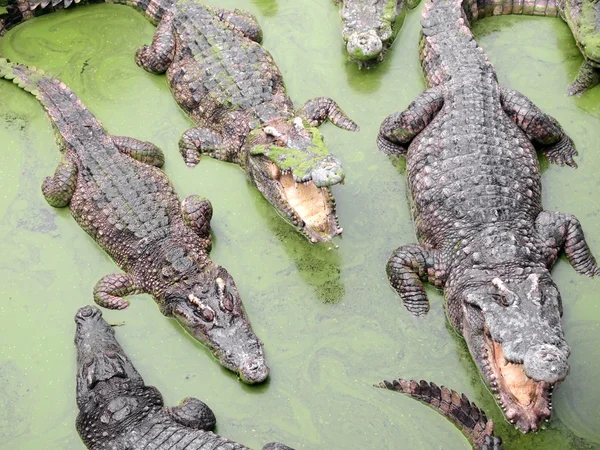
525 402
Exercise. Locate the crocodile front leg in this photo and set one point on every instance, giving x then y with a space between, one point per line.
142 151
201 140
588 77
59 189
540 127
407 266
158 57
197 212
110 291
398 129
193 413
320 109
563 231
243 22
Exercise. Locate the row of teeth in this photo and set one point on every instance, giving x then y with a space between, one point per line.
494 386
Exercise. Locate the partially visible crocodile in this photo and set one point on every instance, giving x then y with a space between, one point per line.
471 420
117 411
582 16
232 88
120 197
370 27
474 182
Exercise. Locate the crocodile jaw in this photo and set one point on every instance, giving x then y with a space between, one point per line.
525 401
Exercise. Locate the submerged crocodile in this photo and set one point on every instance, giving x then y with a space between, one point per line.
120 197
471 420
370 27
118 411
474 182
232 88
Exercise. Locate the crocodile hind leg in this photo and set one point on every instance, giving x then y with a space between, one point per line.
197 212
243 22
110 291
561 231
543 129
201 140
59 189
320 109
142 151
588 77
407 266
398 129
158 57
193 413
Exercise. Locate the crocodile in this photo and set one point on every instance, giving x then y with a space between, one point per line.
582 17
118 411
119 196
232 88
471 420
485 239
370 27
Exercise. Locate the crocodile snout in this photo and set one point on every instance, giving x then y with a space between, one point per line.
254 371
87 312
364 46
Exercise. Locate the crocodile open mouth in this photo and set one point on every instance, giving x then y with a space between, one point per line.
313 207
525 402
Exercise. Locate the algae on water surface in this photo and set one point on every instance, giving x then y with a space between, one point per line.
332 327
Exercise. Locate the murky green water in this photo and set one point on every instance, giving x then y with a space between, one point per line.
331 325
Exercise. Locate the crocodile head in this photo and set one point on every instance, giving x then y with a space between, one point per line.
368 28
102 366
512 325
210 309
583 17
291 166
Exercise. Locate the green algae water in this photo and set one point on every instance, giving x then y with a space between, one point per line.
331 325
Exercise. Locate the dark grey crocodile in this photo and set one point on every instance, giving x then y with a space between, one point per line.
232 88
117 411
120 197
474 182
469 419
369 27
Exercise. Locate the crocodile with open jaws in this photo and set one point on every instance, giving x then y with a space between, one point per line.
120 197
117 411
370 27
232 88
471 420
474 182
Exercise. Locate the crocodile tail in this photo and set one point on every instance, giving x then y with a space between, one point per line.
457 408
154 10
18 11
26 78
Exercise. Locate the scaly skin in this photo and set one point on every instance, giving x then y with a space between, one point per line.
474 181
117 411
370 27
471 420
120 197
231 87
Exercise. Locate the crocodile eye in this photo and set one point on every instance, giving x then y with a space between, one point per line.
207 314
226 303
